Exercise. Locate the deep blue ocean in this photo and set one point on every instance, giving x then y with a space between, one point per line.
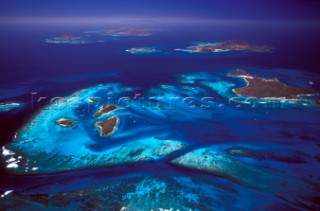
29 65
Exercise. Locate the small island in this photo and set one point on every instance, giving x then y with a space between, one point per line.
64 122
105 109
268 88
229 45
128 32
108 126
66 39
143 50
124 32
69 39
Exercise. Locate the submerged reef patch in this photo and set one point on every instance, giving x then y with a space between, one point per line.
171 146
95 128
216 161
49 144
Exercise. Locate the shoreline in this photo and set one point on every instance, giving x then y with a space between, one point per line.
245 76
101 127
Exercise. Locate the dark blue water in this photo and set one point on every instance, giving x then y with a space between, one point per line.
28 64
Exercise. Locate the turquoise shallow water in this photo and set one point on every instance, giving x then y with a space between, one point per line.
184 139
167 124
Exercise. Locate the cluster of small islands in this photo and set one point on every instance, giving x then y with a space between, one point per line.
94 132
275 88
71 39
200 47
257 87
68 138
107 118
106 127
